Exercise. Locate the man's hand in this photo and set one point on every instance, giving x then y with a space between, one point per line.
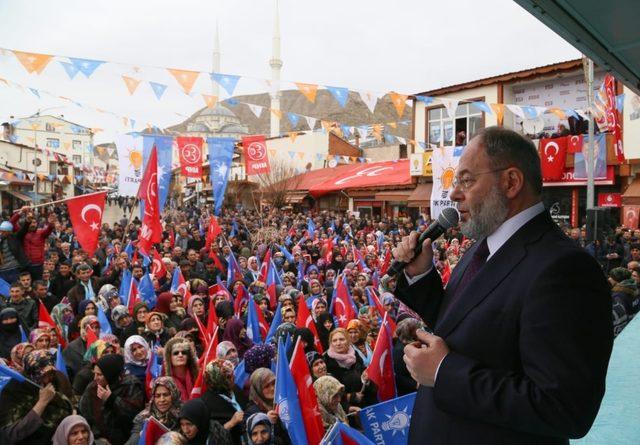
103 393
424 357
25 209
405 252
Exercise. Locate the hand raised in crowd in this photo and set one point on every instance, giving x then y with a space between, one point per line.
405 252
237 418
47 393
273 416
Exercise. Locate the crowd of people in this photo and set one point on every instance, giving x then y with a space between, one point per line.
103 395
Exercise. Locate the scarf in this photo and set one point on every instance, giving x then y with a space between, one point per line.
345 361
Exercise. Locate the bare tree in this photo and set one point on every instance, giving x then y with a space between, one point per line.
275 185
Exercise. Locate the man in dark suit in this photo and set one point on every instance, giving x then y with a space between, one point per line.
523 331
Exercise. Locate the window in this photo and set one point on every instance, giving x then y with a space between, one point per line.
442 129
53 168
403 151
77 159
77 145
53 143
50 128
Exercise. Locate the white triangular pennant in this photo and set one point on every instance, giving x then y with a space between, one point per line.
311 121
255 109
369 99
451 105
517 110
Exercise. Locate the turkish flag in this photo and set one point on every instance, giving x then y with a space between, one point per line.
342 307
200 385
134 296
85 213
45 321
306 394
574 143
190 152
157 267
380 369
91 337
553 154
255 155
305 320
213 232
212 317
153 431
151 231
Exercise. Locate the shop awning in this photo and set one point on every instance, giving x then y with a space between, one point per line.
376 174
631 196
421 196
20 196
295 197
393 195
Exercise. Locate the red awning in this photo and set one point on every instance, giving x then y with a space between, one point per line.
376 174
308 179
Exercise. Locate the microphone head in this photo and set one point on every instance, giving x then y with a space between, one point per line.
448 217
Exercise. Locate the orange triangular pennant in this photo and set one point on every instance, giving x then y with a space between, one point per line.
309 90
301 154
498 109
125 121
272 153
399 102
392 124
131 84
210 100
293 135
185 78
277 113
32 62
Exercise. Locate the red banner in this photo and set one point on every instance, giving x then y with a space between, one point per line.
255 155
151 230
85 213
609 200
574 143
190 152
630 217
610 120
553 154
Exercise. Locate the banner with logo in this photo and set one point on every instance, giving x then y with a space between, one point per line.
416 166
130 162
444 163
190 154
220 155
388 422
609 200
599 158
255 155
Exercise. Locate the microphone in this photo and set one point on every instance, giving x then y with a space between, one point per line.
448 218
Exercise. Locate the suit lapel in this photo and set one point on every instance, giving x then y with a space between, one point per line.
497 268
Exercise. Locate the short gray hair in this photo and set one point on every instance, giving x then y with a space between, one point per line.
507 148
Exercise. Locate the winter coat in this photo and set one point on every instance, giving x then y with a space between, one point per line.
34 243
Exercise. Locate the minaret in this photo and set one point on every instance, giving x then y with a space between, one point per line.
276 65
216 63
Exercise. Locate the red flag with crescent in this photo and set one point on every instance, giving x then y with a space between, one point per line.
553 154
255 155
190 151
157 267
151 230
305 320
380 369
85 212
574 143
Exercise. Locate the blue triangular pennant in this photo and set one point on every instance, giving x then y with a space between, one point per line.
226 81
293 118
158 89
389 138
35 92
482 106
339 94
232 101
86 66
291 154
346 130
425 99
70 69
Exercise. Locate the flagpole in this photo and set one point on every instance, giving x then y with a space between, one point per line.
124 232
60 200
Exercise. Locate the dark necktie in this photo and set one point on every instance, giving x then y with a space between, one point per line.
477 261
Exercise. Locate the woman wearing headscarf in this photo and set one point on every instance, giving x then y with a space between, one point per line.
108 344
330 392
345 364
164 406
73 430
315 291
317 366
260 431
85 307
45 408
236 333
358 338
18 352
136 357
324 325
74 352
155 332
262 384
111 400
227 351
196 308
170 304
180 362
62 315
318 306
225 312
9 331
40 339
225 401
253 270
140 311
198 428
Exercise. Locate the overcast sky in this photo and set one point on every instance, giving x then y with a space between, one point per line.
375 45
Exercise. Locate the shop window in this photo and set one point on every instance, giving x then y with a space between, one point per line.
403 151
53 143
77 145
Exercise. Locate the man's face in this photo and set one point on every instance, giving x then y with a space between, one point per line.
64 270
16 293
635 254
193 256
25 281
33 225
481 202
41 291
84 275
137 272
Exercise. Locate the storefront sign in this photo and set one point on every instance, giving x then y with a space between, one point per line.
630 216
609 200
568 179
420 164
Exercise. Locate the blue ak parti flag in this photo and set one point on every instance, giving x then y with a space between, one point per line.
388 422
125 285
4 288
105 326
10 373
239 375
286 396
220 156
253 324
23 335
146 291
341 431
311 227
60 364
277 320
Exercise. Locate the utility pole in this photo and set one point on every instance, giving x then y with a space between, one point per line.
588 67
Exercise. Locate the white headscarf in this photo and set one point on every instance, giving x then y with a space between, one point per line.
128 345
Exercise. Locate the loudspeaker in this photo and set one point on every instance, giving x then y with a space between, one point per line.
598 223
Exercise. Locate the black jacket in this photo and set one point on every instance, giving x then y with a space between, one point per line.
529 338
15 245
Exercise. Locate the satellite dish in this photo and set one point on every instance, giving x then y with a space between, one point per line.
533 126
333 163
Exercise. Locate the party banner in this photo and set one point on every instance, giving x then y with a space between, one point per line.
130 161
190 151
599 158
444 163
220 155
164 144
255 155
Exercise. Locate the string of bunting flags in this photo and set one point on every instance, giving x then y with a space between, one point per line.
186 79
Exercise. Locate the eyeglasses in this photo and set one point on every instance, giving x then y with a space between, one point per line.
179 352
465 182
